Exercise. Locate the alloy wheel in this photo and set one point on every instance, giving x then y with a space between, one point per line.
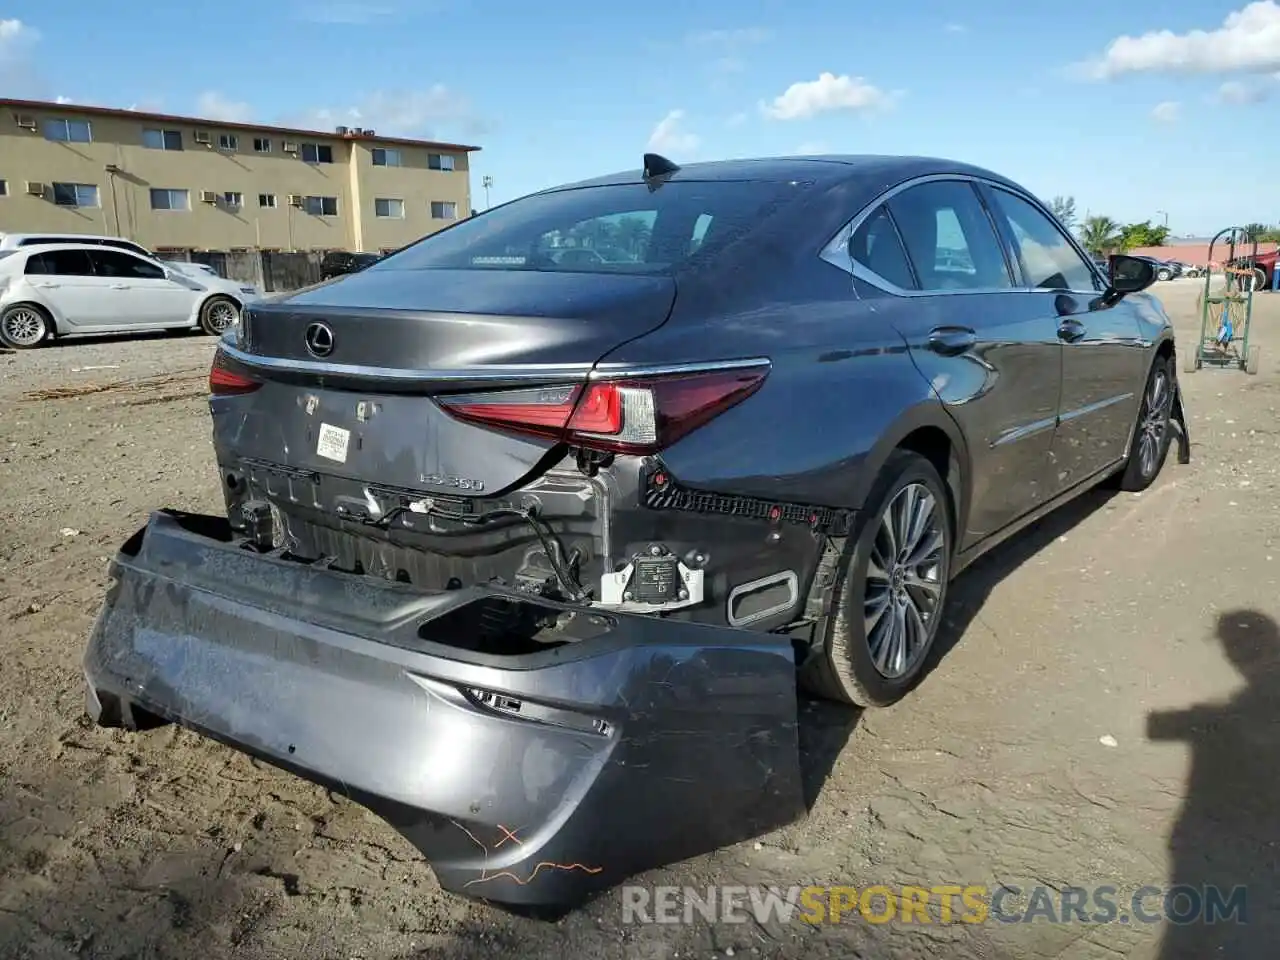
222 315
24 327
905 576
1155 422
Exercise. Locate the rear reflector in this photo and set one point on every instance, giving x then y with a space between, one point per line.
224 381
625 416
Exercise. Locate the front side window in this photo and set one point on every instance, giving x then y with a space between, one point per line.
1049 261
116 263
949 238
619 228
162 199
68 131
75 194
63 263
156 139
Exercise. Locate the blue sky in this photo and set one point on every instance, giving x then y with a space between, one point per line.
1173 122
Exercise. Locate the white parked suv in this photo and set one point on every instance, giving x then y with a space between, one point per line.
74 289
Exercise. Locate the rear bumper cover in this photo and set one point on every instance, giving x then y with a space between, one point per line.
650 743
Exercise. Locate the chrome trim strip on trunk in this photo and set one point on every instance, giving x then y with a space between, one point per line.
515 371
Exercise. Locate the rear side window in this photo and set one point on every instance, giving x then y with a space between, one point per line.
876 246
949 237
125 245
63 263
117 263
623 228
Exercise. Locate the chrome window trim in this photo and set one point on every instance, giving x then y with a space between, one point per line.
835 250
1053 222
516 371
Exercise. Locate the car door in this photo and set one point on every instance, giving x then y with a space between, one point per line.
65 279
993 361
142 291
1103 351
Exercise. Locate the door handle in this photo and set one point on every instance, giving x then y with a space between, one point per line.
950 341
1071 331
119 286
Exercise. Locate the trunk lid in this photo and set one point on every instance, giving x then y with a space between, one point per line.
361 412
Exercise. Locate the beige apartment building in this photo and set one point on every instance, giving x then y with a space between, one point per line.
180 183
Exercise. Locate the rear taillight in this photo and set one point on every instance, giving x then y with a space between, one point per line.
641 415
224 381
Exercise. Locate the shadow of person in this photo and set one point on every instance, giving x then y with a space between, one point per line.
1228 834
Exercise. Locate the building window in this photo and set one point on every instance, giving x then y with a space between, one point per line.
162 199
155 139
321 206
444 210
317 153
267 200
228 141
261 145
440 161
75 194
4 188
385 207
68 131
386 158
233 198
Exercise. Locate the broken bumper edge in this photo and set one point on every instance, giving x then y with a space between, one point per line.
534 780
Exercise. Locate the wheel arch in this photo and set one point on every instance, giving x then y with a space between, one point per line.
927 430
50 315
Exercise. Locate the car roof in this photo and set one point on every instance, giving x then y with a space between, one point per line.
821 170
92 247
70 237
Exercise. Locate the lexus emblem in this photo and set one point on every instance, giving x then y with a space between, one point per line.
319 339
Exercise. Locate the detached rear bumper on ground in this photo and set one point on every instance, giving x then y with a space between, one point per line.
528 780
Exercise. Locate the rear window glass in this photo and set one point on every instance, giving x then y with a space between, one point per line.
624 228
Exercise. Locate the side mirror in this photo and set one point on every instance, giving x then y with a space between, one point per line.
1126 275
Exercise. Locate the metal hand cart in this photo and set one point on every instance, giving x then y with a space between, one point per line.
1225 315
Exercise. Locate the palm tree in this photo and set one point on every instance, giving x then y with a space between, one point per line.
1100 235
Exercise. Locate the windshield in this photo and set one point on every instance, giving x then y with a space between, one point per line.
623 228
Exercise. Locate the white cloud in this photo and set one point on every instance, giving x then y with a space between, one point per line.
956 28
1248 41
1167 112
827 94
18 74
62 99
349 14
14 33
212 105
670 136
1240 94
414 113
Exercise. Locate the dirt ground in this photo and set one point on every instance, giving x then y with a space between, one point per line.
1106 712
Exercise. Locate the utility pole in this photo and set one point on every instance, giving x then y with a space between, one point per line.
1165 214
486 181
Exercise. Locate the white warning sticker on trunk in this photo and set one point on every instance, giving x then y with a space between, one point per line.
333 443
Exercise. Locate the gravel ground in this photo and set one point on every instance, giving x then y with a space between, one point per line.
1104 713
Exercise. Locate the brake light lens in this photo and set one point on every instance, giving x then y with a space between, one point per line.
623 416
224 381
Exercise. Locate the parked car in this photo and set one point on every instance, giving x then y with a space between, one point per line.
1167 269
14 241
515 544
190 266
67 289
339 262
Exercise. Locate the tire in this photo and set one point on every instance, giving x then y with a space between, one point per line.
1164 275
25 326
844 668
1151 434
214 319
1191 360
1252 359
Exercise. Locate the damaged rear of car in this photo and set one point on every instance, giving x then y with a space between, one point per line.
441 583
